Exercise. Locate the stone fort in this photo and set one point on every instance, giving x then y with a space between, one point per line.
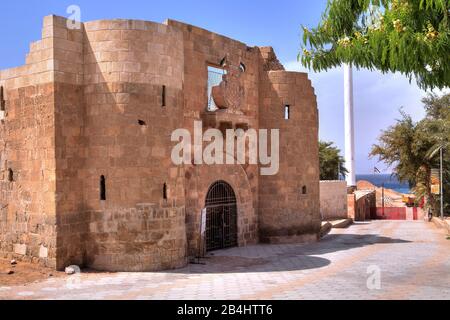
86 175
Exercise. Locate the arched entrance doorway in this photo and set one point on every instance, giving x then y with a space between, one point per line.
221 217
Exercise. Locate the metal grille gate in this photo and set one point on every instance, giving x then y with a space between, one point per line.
221 217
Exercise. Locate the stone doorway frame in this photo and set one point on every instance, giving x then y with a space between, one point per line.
221 217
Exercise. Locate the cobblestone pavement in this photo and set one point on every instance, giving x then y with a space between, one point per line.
413 259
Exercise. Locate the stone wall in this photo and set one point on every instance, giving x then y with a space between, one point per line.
125 131
360 204
27 159
145 238
198 181
106 84
70 143
203 48
351 206
333 200
289 201
100 104
27 222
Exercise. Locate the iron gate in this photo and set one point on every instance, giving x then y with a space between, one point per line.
221 217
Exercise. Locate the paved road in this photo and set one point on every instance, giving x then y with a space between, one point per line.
412 260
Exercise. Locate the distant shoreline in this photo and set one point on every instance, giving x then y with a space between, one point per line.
390 182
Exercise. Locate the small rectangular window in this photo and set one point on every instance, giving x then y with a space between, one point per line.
163 96
102 188
287 112
2 100
165 191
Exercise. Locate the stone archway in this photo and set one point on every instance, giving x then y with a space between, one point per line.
198 181
221 217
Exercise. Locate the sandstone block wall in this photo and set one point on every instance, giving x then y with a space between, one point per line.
27 186
365 201
125 136
144 238
333 200
360 204
101 114
289 201
27 159
86 138
351 206
203 48
198 181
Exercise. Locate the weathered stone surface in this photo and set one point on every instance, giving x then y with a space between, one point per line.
95 109
43 252
20 249
333 200
360 203
289 201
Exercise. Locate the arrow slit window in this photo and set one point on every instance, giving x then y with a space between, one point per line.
287 112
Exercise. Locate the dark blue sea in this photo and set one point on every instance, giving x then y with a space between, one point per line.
390 181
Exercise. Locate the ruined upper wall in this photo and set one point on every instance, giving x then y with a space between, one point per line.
38 67
289 201
203 48
27 158
270 60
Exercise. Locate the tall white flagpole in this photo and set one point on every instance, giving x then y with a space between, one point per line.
349 126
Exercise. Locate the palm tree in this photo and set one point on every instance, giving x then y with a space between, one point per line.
332 164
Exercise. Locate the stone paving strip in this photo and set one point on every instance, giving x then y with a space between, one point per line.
413 258
339 266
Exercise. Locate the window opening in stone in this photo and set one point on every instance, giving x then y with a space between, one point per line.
2 100
287 112
102 188
223 62
10 175
165 191
215 77
163 96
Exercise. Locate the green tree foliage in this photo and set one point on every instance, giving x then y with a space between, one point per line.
406 36
412 148
332 164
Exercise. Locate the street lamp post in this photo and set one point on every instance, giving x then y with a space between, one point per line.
442 182
382 197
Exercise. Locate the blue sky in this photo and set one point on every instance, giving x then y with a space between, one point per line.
255 22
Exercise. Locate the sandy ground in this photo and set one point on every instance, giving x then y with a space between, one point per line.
24 273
